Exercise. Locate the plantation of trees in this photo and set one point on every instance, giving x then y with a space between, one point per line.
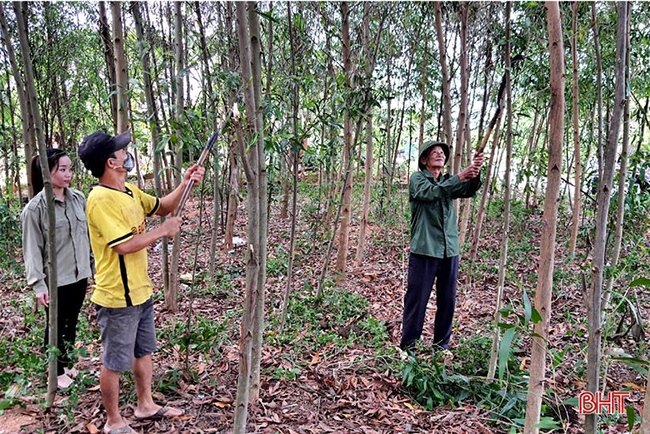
351 151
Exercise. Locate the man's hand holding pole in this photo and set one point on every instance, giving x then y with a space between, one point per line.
473 170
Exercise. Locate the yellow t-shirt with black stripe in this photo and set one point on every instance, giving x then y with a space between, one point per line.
114 217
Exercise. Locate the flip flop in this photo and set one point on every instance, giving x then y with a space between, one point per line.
122 430
160 414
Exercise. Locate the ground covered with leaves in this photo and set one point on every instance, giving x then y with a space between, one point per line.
335 367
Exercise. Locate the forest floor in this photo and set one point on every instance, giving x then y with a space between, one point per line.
336 366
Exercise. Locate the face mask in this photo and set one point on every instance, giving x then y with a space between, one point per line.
129 163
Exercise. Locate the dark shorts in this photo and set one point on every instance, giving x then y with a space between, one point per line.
127 333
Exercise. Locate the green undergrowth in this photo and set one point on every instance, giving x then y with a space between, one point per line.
434 378
24 363
317 327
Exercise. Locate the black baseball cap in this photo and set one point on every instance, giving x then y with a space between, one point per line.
98 147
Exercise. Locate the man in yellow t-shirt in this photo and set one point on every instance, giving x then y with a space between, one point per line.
116 212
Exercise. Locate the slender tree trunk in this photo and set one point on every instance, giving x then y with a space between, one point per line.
622 174
533 192
49 195
642 122
505 234
388 147
14 140
7 154
27 123
367 184
217 213
488 71
464 84
538 124
645 425
467 203
344 230
547 252
105 34
231 214
446 93
423 92
400 128
284 171
121 81
171 296
250 163
486 192
211 110
295 105
576 134
599 84
167 184
602 212
154 125
262 197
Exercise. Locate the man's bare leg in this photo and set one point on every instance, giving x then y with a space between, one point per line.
109 383
142 369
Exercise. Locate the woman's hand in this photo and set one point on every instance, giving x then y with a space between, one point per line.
43 299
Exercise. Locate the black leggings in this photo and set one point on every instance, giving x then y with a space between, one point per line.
71 298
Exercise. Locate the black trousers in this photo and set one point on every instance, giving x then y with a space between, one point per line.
423 272
71 298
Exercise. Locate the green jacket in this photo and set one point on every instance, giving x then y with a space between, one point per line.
434 230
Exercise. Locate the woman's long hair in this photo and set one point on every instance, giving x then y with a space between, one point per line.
53 157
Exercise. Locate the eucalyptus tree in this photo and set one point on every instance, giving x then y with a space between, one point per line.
370 55
576 132
53 315
296 144
344 228
29 137
599 82
253 161
105 35
505 234
547 251
171 296
464 89
121 78
15 160
622 174
446 98
602 212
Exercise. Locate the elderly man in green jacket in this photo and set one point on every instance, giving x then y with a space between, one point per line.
434 241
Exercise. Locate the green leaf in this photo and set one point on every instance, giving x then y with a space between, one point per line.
632 361
641 281
535 316
504 350
573 402
548 423
5 404
639 365
162 143
527 306
630 417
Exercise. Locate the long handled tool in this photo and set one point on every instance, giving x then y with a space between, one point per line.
202 158
502 88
